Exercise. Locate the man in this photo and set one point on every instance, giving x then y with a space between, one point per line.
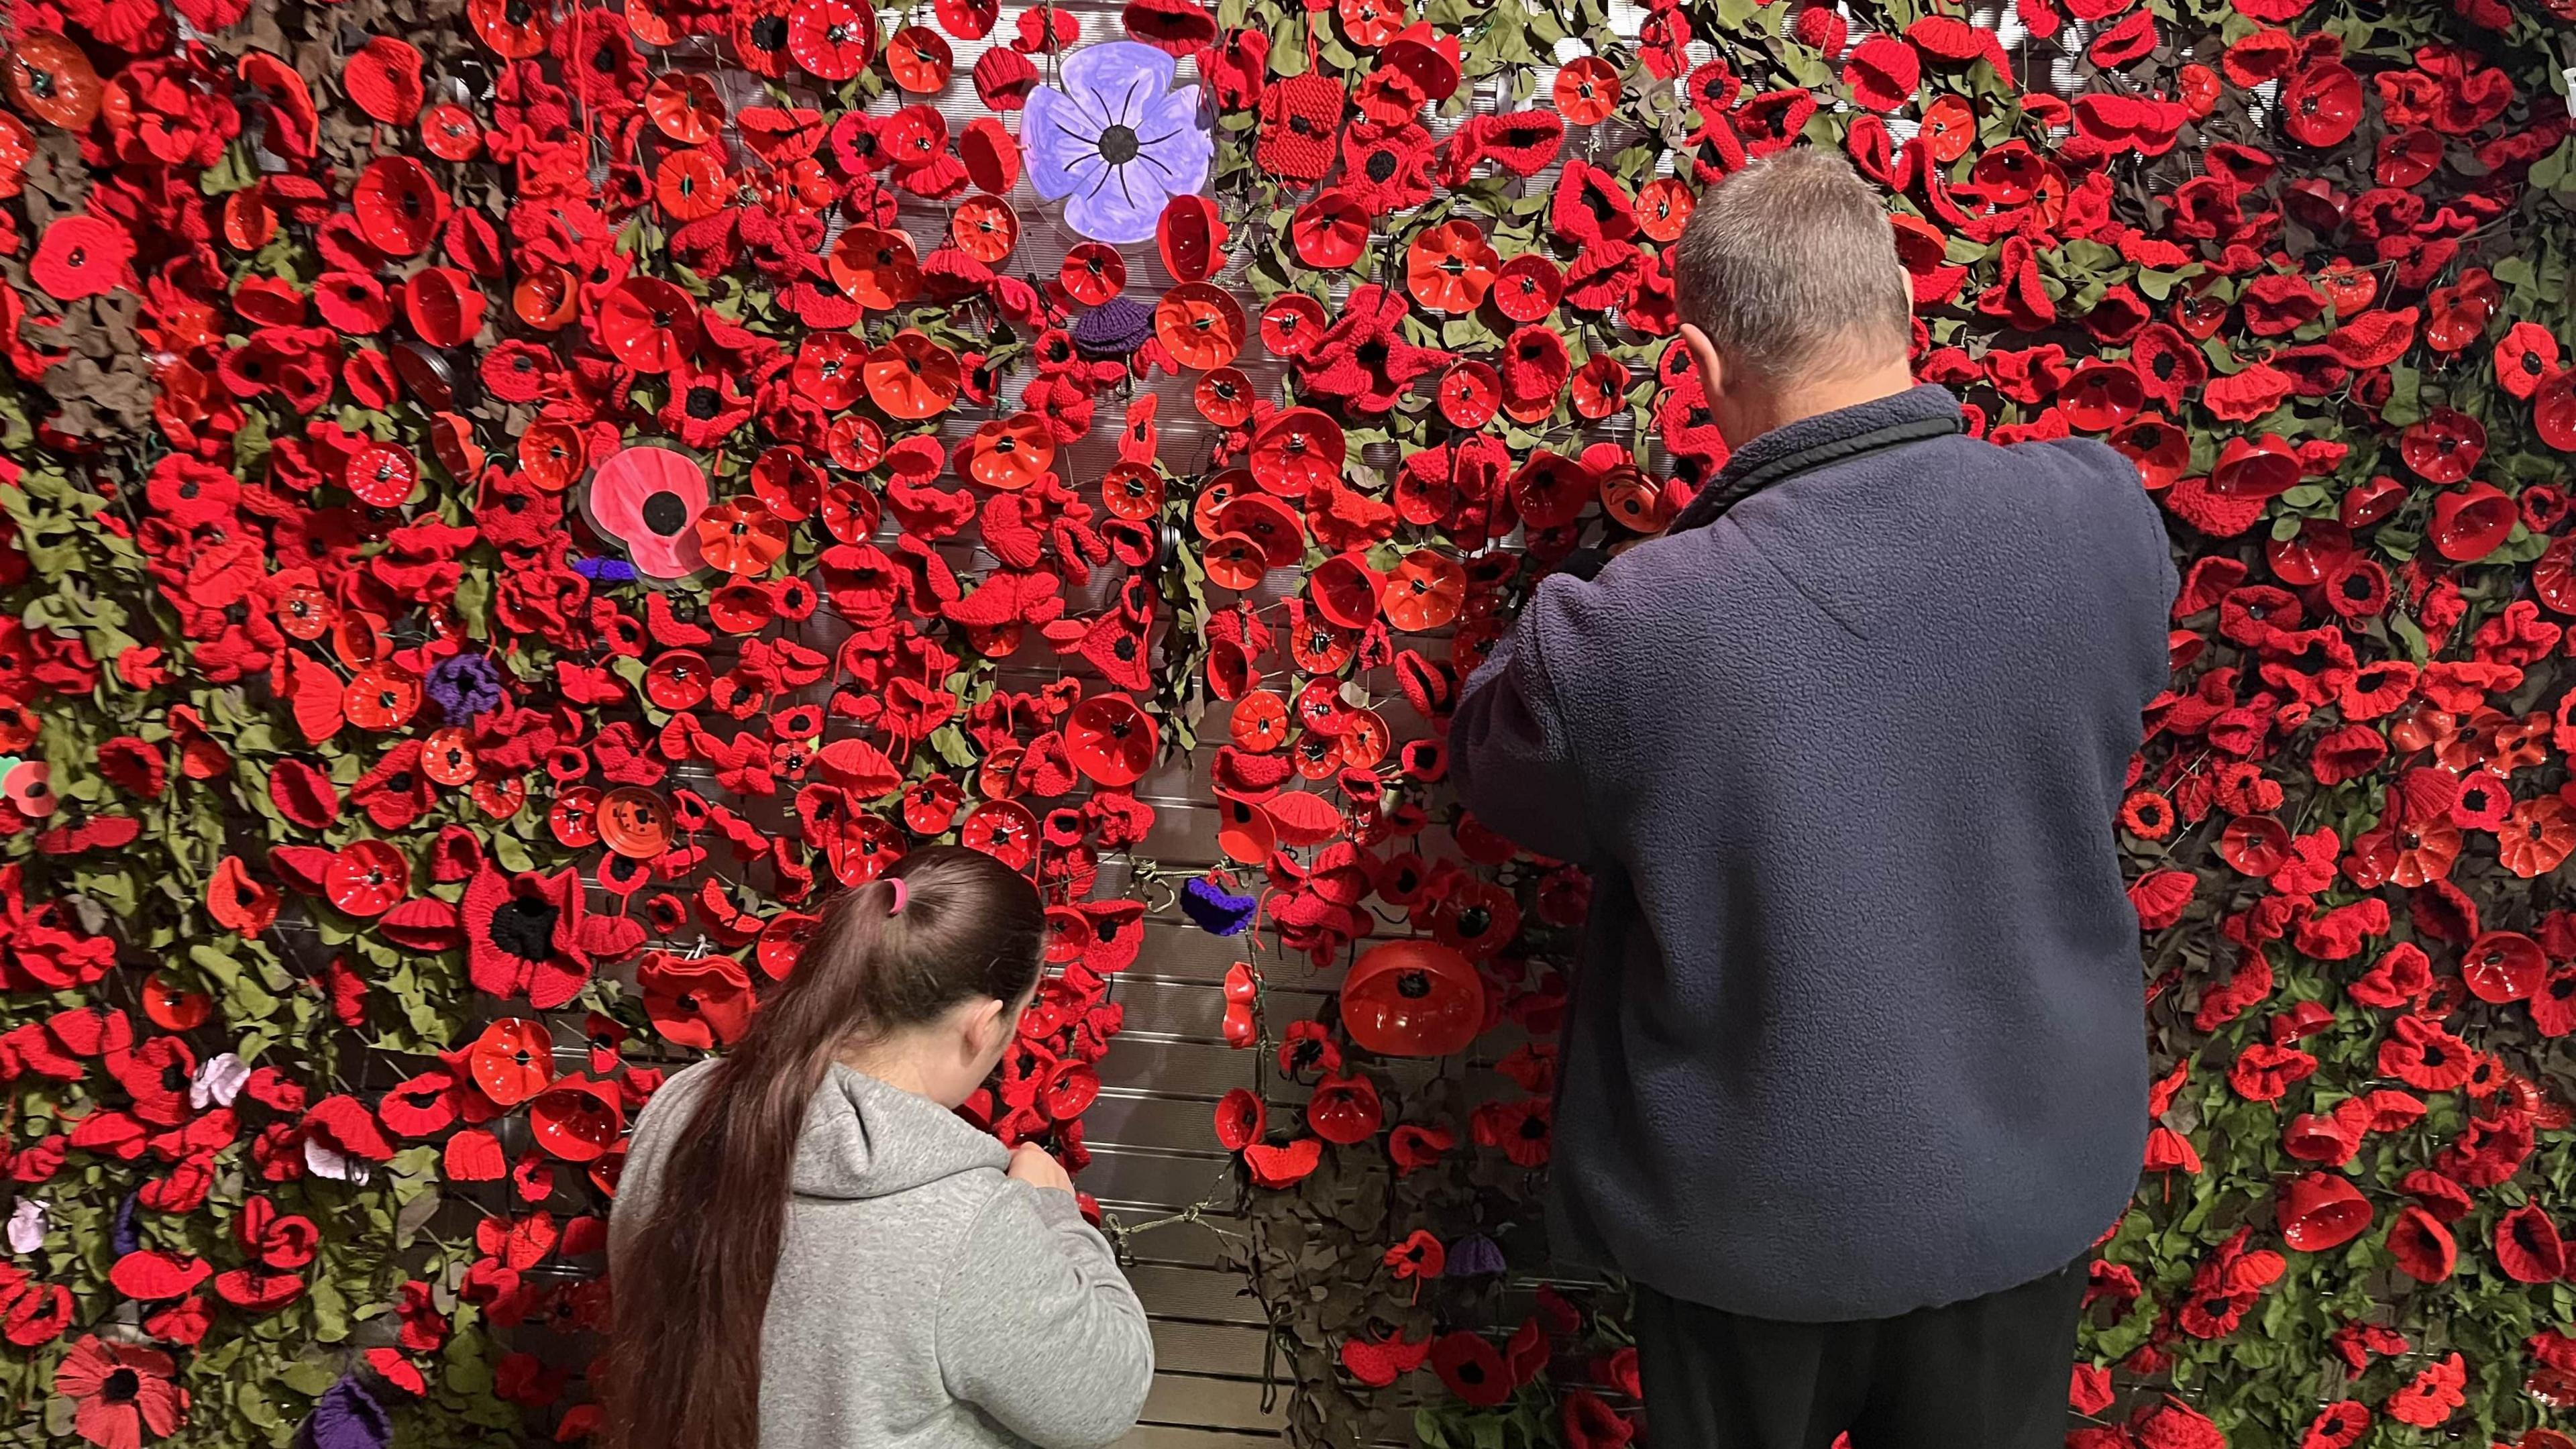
1855 1072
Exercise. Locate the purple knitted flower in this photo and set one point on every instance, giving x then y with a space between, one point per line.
348 1417
464 686
1113 329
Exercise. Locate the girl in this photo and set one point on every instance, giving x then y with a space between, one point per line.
813 1251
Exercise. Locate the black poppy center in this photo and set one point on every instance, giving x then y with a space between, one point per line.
1118 145
173 1079
1371 354
1475 921
664 513
525 928
121 1387
1413 985
1381 166
769 32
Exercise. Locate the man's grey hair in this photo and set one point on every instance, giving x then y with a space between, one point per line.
1790 267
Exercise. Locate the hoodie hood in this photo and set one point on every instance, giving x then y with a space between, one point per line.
863 1139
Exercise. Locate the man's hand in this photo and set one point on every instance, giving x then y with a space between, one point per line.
1033 1165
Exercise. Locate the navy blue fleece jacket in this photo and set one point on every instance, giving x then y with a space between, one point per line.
1858 1027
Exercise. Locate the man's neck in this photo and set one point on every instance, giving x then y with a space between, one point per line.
1752 415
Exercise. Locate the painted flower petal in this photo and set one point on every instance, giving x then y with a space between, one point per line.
1121 205
1054 135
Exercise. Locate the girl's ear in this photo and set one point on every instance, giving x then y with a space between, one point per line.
987 1029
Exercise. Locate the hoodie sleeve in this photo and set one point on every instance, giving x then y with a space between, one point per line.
1510 752
1039 1329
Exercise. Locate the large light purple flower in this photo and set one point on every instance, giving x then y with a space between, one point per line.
1117 139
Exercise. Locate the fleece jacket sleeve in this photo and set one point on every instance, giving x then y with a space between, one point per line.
1039 1329
1510 751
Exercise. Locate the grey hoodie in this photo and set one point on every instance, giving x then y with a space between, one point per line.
923 1300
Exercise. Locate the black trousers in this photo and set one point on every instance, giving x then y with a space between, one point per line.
1989 1373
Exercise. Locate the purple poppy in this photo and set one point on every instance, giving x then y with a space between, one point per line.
1117 139
464 686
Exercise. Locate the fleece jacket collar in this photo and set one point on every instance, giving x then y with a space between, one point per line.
1911 416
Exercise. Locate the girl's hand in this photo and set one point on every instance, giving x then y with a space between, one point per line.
1033 1165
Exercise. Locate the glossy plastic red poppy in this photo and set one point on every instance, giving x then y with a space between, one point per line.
512 29
782 940
650 22
577 1119
2263 467
1223 397
1092 273
552 455
51 79
1200 325
512 1060
381 697
172 1007
684 106
444 306
635 822
919 59
1551 491
447 756
1234 561
1010 453
1469 392
2315 553
1424 592
1322 647
1191 236
1293 324
1527 287
1112 740
398 205
2320 1211
2444 446
2504 966
1132 491
967 19
832 39
2101 396
851 513
830 370
1244 830
383 475
912 377
1330 231
1413 998
741 536
648 324
1296 451
574 818
857 444
1270 524
367 878
1586 90
1259 722
546 297
1344 590
358 638
875 266
1663 208
985 228
2369 501
1004 830
2471 522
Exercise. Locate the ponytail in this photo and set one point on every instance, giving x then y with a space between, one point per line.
943 926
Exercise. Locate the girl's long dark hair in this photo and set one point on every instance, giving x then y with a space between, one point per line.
693 1285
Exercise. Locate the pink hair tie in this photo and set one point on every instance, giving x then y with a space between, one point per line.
900 895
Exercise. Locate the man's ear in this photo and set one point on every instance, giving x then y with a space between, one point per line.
1712 372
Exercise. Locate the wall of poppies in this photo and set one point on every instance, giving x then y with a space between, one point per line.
511 503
